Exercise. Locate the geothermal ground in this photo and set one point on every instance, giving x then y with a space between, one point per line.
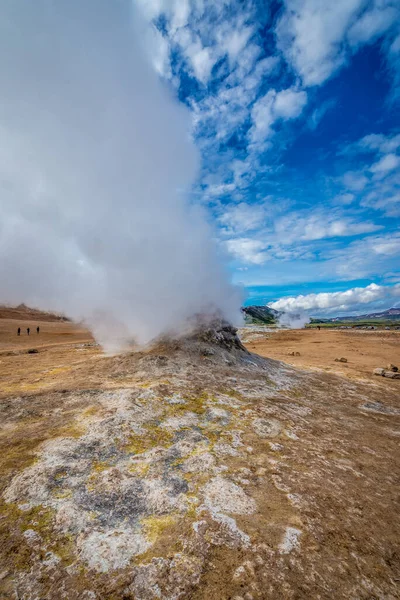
197 469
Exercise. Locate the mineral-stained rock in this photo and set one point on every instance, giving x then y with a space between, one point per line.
207 472
379 371
391 375
221 495
290 540
267 427
219 415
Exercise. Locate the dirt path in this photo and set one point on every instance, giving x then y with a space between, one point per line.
60 345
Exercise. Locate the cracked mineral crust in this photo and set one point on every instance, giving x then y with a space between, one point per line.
198 470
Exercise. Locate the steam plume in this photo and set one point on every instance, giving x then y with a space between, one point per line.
291 320
93 151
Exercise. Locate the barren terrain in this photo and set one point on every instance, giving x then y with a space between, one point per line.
196 469
364 350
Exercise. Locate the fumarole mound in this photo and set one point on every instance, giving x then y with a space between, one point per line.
199 470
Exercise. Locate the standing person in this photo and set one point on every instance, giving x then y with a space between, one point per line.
19 330
37 329
27 330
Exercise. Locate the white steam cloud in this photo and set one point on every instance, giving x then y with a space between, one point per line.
349 300
95 157
293 320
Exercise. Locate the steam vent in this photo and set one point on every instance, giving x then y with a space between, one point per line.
198 470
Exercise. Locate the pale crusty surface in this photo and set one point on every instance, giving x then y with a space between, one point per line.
193 470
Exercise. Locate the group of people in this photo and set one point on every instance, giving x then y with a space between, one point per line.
28 330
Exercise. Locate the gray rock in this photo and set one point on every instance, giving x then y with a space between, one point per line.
391 375
379 371
267 427
218 415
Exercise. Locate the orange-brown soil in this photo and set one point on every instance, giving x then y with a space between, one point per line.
364 350
196 470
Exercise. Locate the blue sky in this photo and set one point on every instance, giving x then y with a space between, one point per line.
295 110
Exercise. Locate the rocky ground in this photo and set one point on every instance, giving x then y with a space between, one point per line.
319 350
196 470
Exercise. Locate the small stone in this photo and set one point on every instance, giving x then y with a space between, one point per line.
239 573
208 352
392 368
225 449
379 371
290 540
32 351
32 536
175 399
222 495
218 415
275 447
267 427
391 375
342 360
248 565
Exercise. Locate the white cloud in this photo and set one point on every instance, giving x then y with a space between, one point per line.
262 117
242 217
379 192
379 142
289 237
248 250
389 245
202 60
344 199
390 204
395 46
233 38
289 103
329 302
371 256
385 164
310 34
355 181
316 36
286 104
180 14
317 225
372 24
319 113
160 52
151 9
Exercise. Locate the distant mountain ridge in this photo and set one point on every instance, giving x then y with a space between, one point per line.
264 315
25 313
260 315
392 314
